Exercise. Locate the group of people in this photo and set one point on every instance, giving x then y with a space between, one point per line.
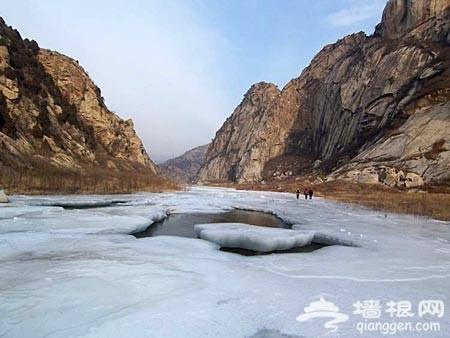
308 192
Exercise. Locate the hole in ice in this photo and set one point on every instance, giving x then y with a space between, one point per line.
183 224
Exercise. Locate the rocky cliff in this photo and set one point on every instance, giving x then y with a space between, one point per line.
184 168
56 132
372 108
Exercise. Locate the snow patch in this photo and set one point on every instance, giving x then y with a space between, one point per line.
251 237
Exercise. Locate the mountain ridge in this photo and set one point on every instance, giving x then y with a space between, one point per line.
352 113
184 168
56 132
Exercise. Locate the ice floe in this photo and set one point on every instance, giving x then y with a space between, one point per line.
251 237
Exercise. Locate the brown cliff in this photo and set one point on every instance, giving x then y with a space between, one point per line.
367 108
56 133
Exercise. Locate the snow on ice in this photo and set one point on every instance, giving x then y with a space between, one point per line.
251 237
77 272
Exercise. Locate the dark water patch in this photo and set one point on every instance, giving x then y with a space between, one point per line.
266 333
182 225
326 240
68 205
245 252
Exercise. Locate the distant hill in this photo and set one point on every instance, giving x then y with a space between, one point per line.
56 134
369 109
184 168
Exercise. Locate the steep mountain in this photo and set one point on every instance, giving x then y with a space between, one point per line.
184 168
368 108
56 134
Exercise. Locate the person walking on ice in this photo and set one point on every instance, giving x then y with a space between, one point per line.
305 192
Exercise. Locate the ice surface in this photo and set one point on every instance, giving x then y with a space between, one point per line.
75 273
54 219
251 237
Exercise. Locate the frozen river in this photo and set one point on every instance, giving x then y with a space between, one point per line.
68 270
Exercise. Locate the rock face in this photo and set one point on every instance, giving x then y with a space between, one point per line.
3 197
53 121
248 139
426 19
184 168
112 136
379 101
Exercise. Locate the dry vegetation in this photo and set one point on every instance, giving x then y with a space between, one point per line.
93 181
432 201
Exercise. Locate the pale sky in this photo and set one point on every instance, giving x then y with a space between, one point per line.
178 68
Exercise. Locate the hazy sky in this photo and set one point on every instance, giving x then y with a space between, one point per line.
178 68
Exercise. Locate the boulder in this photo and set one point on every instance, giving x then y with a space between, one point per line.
366 176
3 197
413 181
392 177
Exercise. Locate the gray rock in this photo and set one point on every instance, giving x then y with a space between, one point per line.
416 18
3 197
391 177
184 168
413 181
253 134
362 103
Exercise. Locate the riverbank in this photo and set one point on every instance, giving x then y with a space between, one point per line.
98 181
431 201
